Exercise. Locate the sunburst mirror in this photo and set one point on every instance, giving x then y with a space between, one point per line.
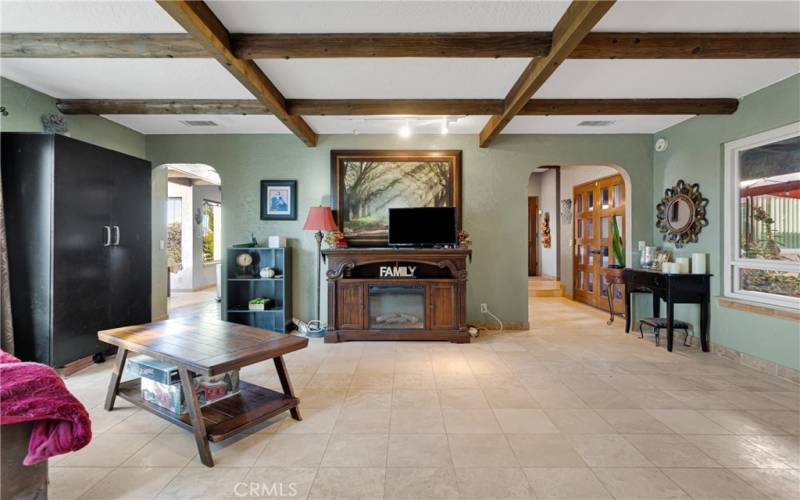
681 214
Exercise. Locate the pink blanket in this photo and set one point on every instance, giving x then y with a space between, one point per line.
35 392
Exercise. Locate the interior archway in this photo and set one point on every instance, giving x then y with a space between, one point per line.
551 185
187 235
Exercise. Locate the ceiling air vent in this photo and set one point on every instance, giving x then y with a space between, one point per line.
595 123
199 123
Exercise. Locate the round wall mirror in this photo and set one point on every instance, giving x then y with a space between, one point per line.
681 215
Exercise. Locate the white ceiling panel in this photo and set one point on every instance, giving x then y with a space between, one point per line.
125 78
226 124
393 124
411 78
698 16
569 124
635 78
107 16
387 16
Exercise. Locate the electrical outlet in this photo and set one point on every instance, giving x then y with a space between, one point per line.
484 308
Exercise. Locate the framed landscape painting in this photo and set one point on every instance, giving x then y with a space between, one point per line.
278 200
366 184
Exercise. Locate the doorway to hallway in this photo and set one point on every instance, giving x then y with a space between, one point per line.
193 240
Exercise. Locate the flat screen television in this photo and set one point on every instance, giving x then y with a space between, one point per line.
424 227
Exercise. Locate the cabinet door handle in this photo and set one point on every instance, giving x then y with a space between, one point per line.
107 231
116 236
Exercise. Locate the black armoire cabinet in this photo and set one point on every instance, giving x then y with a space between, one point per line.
78 230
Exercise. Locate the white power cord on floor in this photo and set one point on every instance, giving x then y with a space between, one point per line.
499 321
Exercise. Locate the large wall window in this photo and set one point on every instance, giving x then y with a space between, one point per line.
762 224
212 237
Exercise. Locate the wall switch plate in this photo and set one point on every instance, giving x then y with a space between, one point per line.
161 244
484 308
642 244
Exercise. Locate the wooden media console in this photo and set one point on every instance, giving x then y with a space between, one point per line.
397 294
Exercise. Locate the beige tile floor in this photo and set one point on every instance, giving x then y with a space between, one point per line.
570 409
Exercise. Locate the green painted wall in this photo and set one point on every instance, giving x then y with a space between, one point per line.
495 183
26 106
495 191
158 256
695 154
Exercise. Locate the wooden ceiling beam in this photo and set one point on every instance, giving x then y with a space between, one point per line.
554 107
434 107
100 45
467 45
204 26
329 45
576 22
688 46
162 107
366 107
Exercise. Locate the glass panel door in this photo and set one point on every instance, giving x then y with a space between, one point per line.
599 202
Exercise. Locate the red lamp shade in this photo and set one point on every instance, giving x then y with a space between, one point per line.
320 219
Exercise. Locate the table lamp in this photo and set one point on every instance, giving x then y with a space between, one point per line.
319 219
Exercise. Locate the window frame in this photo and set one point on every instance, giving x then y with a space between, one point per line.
733 262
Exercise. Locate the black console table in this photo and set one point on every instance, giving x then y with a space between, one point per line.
673 289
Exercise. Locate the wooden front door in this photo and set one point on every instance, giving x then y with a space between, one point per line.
533 209
595 204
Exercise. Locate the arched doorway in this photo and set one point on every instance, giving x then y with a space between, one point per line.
188 219
563 266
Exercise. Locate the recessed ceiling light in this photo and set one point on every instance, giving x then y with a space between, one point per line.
445 129
405 130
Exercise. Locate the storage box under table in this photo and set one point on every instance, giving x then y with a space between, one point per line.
161 385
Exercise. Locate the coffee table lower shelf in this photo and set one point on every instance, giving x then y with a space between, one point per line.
224 418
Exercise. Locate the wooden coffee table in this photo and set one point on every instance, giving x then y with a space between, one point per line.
207 348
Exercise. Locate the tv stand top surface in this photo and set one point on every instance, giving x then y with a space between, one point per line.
396 250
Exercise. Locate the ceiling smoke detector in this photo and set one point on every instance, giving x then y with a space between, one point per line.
595 123
199 123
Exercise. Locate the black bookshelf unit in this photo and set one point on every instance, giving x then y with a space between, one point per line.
244 284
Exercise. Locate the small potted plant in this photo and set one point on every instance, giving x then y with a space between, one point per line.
615 270
259 304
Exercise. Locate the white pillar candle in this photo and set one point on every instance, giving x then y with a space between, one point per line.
669 268
683 264
699 263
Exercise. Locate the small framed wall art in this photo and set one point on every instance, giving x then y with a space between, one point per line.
278 200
